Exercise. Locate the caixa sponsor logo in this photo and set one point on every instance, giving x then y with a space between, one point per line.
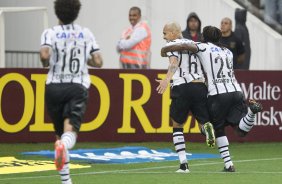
69 35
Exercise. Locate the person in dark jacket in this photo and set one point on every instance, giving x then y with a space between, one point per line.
241 31
193 28
232 42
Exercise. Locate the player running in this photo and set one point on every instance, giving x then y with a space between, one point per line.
67 49
189 92
226 101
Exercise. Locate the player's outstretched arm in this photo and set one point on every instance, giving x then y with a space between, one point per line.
96 60
173 66
179 47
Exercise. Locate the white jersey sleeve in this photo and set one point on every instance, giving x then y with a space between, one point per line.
46 38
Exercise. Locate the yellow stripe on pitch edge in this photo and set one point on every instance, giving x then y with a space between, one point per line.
10 165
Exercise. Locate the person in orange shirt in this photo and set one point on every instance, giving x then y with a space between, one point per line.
134 45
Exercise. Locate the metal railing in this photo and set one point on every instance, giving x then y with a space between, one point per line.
260 14
22 59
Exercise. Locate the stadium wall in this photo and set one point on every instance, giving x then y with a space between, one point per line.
124 106
107 19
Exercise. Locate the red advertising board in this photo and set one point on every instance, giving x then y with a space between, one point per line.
124 106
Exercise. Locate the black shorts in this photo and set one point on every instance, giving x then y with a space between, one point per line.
66 100
189 97
227 109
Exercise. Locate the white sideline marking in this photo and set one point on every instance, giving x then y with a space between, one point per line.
142 170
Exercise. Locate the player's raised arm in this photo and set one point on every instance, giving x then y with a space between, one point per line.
179 47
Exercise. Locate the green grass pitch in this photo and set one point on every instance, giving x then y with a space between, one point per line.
255 163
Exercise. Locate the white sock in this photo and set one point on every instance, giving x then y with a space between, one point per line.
222 144
247 122
68 139
179 143
65 172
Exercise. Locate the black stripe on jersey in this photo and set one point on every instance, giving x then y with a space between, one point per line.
172 55
64 57
199 50
185 80
57 52
62 27
85 60
72 26
213 76
180 72
192 76
45 38
57 59
234 85
225 87
180 60
46 44
93 50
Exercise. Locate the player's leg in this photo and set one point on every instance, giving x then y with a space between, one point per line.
200 111
74 110
222 144
180 147
219 106
62 147
247 122
242 117
179 110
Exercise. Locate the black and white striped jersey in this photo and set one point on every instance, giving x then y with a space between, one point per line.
72 46
189 65
218 66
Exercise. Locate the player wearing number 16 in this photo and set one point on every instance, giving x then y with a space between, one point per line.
67 49
226 103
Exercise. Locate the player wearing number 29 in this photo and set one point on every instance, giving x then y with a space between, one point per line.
226 101
67 49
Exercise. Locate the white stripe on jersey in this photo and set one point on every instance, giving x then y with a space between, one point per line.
218 66
71 46
189 65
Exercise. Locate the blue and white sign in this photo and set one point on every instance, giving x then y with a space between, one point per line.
125 155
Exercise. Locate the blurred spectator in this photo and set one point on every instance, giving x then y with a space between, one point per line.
134 45
241 31
232 42
193 28
273 12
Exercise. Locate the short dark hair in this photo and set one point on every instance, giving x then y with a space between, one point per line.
67 10
136 8
211 34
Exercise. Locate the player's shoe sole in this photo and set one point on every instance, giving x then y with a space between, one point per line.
230 169
182 171
255 106
184 168
60 155
210 137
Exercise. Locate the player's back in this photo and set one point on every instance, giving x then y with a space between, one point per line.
218 65
71 45
189 65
